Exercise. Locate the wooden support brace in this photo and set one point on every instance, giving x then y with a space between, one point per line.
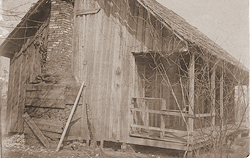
70 117
191 100
35 130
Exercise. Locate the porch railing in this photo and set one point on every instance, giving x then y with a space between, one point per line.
151 118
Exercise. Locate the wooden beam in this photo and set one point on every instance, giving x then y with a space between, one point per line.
221 93
156 143
161 112
159 129
213 95
191 99
35 130
146 98
174 139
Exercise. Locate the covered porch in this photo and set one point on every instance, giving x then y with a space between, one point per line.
186 100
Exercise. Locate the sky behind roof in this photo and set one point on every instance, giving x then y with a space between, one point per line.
223 21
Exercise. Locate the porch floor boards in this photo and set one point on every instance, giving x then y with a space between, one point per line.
178 140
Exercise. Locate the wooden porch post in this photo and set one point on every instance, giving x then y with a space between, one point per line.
191 103
221 93
213 96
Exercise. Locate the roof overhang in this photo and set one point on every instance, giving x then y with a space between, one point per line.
27 28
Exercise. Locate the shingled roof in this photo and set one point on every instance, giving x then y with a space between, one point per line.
186 31
166 16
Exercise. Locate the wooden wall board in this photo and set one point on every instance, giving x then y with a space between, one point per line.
45 103
106 73
50 134
103 52
96 100
125 80
10 97
103 73
49 125
15 101
37 87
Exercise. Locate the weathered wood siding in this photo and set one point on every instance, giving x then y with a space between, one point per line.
102 56
24 67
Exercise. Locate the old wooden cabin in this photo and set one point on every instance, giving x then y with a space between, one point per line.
151 78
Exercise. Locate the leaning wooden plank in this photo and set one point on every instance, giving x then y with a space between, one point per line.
36 130
70 117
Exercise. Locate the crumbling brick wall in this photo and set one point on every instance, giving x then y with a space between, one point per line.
59 52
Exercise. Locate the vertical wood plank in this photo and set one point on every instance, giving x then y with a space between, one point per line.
111 66
213 95
116 74
124 107
21 103
80 63
139 32
148 32
157 39
106 63
191 99
221 93
15 105
132 23
131 62
104 72
77 33
96 97
10 96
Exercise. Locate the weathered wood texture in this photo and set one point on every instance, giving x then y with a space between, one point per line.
35 130
24 67
49 106
53 98
102 55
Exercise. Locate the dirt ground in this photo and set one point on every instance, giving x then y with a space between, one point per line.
16 146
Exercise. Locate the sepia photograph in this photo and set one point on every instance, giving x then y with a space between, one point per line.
124 79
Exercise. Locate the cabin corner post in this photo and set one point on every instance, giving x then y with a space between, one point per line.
213 95
221 94
190 127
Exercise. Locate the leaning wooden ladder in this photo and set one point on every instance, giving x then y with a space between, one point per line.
70 117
